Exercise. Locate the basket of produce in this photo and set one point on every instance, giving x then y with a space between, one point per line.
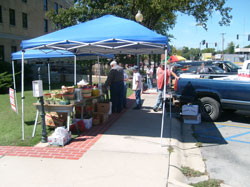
56 94
47 95
68 96
68 89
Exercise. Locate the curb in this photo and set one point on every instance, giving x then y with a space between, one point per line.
184 154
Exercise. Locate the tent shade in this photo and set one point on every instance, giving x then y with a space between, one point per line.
105 35
48 53
32 54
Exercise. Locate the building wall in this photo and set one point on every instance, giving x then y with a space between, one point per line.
12 35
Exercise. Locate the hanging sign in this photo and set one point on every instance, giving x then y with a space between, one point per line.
12 99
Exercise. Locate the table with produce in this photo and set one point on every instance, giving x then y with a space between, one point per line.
85 103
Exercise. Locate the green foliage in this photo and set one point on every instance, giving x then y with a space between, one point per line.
190 54
230 48
159 15
208 50
208 183
188 172
5 82
7 67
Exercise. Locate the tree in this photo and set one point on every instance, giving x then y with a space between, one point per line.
230 48
159 15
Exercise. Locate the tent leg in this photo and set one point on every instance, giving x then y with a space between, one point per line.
164 96
14 83
22 94
49 75
99 80
74 69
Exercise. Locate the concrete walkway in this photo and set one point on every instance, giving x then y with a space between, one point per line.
128 154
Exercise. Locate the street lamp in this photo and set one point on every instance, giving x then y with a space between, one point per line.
138 18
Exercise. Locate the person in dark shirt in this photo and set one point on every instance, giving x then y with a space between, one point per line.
115 81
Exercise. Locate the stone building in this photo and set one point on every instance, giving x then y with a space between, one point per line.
25 19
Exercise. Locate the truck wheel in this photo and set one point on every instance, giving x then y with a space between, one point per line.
210 109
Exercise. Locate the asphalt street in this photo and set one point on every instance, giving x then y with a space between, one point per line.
226 148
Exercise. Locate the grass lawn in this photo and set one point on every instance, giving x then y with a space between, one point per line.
10 122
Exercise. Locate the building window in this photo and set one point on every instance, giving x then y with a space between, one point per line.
45 25
1 53
61 6
12 17
13 49
56 7
25 20
1 19
45 5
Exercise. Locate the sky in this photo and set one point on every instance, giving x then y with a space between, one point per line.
186 33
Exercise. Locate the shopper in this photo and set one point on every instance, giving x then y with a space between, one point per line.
137 86
160 84
149 72
125 86
116 82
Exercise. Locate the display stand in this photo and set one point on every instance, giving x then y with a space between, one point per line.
53 108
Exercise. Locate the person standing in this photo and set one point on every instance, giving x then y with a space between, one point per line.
137 86
125 75
160 84
149 72
116 82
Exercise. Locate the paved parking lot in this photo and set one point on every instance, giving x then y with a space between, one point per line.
226 148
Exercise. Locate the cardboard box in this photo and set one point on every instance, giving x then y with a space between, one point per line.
55 119
100 115
192 119
103 107
59 141
190 110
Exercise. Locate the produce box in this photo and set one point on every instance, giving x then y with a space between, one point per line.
190 110
96 121
55 119
100 115
103 107
59 141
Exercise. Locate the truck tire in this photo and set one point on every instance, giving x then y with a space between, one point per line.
210 109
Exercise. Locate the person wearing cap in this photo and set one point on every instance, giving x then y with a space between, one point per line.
136 87
160 84
115 81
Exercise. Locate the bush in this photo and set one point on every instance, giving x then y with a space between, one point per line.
6 67
5 82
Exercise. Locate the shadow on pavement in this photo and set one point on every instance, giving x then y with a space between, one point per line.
238 116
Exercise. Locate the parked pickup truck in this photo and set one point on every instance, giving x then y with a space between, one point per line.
214 96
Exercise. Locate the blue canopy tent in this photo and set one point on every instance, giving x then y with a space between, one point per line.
51 53
105 35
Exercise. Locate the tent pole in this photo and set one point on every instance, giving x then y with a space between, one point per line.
49 75
164 95
14 84
98 59
22 94
74 69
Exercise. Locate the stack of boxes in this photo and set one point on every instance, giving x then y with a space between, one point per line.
190 114
101 116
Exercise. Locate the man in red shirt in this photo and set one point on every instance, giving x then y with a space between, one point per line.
160 84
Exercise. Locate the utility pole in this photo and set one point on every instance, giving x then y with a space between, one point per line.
222 34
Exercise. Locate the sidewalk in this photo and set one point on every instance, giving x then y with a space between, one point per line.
127 154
